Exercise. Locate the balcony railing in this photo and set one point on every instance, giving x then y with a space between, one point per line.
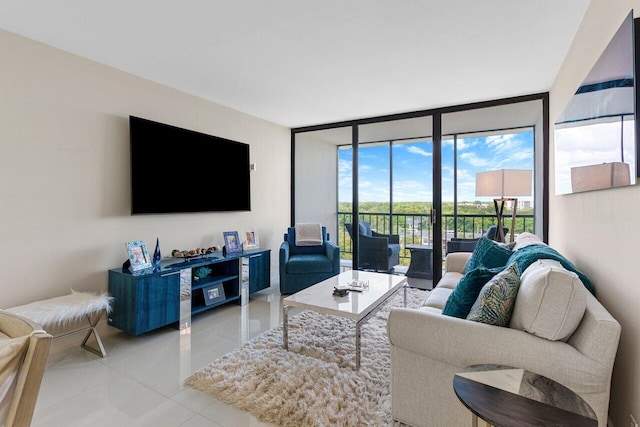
417 228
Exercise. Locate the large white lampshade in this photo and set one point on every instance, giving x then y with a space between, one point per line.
504 183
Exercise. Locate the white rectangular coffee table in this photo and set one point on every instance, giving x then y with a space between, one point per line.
355 305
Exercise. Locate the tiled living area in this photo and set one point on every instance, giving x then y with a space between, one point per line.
141 381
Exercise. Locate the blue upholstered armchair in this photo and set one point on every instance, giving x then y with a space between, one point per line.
303 266
380 252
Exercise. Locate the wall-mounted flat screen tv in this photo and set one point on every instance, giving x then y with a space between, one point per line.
175 170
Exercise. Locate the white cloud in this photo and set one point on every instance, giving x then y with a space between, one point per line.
412 191
465 143
474 160
419 151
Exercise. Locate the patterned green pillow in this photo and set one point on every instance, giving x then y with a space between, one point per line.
497 298
489 254
466 291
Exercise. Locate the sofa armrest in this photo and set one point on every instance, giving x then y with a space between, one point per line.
333 253
455 261
460 343
284 253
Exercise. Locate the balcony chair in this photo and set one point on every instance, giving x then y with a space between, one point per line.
24 349
492 232
379 252
457 244
303 266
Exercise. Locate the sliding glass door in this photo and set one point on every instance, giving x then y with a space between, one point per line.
414 177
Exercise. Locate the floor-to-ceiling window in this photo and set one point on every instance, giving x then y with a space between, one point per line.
385 169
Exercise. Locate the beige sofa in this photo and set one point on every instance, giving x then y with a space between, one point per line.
428 348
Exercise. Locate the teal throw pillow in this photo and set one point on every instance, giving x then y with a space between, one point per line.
467 290
497 298
489 254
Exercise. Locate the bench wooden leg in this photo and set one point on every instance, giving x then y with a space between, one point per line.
93 321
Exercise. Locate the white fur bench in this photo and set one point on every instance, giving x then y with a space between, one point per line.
62 311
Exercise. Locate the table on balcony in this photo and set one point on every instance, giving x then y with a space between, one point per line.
421 265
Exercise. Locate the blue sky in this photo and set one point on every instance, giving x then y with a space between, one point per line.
412 180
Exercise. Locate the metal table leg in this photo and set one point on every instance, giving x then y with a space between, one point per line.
357 346
285 327
404 302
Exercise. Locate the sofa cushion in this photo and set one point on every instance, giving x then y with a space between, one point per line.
488 254
526 239
531 253
551 301
497 297
449 280
309 263
437 298
466 293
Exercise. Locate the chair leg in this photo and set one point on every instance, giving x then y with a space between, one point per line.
93 321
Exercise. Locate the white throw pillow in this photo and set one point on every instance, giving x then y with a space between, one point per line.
551 301
526 239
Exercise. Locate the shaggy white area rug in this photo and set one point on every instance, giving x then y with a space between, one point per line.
313 384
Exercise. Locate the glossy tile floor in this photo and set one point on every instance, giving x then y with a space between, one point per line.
141 381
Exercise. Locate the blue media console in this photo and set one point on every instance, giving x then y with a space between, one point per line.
179 288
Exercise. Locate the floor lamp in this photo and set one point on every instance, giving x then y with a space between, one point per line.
509 184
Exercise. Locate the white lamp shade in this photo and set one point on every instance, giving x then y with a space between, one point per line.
504 182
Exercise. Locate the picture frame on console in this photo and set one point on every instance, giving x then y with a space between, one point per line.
138 256
251 240
214 294
232 242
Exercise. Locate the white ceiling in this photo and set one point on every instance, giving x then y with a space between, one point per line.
300 62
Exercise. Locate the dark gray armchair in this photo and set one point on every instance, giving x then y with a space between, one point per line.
379 252
468 245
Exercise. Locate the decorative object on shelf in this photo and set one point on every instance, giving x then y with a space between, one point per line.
157 256
177 253
504 182
214 294
138 255
201 273
232 242
251 239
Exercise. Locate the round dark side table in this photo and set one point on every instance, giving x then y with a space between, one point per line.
510 397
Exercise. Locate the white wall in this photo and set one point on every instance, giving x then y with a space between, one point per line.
64 171
316 182
599 230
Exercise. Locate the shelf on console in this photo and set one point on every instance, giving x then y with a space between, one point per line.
209 281
197 308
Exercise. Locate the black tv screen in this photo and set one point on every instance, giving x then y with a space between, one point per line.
177 170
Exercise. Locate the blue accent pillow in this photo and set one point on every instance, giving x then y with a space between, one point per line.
497 298
489 254
466 292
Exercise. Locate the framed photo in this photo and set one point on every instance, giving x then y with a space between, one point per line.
251 239
138 256
232 242
214 294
